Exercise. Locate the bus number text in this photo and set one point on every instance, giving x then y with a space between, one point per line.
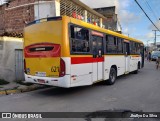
55 69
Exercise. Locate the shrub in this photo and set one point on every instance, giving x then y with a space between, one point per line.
3 82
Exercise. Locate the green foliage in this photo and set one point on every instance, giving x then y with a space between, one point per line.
3 82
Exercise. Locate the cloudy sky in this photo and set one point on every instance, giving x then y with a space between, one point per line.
132 19
1 1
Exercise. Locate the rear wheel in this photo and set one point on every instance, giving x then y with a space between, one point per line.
112 76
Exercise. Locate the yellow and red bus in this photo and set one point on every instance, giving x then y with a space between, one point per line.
67 52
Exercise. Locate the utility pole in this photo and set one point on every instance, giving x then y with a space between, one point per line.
147 42
155 36
147 46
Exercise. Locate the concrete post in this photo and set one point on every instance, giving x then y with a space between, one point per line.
85 16
57 7
101 22
45 9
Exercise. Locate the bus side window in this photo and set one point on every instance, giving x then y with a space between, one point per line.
97 46
111 44
79 39
119 45
137 48
132 48
72 31
106 43
122 46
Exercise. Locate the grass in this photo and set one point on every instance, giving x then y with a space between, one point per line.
3 82
22 83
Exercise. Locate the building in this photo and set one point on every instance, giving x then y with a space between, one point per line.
112 22
15 14
11 58
2 18
152 46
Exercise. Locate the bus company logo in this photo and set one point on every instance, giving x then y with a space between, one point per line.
6 115
20 115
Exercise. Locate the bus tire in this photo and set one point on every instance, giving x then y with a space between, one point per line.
112 76
139 65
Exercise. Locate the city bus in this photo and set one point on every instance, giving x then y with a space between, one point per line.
67 52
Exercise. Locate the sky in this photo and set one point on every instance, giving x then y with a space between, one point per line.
1 1
131 17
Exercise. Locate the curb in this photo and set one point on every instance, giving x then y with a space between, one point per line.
26 89
7 92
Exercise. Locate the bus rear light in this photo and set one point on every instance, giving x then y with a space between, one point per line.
62 68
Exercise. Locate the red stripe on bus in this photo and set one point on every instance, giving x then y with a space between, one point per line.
80 60
97 33
39 50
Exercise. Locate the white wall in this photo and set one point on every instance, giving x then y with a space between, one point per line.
7 56
45 9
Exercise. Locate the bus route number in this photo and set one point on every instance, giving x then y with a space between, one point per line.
55 69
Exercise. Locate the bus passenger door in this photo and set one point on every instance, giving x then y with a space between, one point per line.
98 59
127 57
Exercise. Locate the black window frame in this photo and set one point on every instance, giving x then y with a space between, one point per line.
104 43
134 48
70 41
113 43
116 46
122 44
103 47
138 49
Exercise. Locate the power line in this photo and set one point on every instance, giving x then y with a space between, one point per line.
147 15
147 4
154 8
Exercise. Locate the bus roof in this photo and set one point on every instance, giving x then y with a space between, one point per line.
44 20
97 28
85 24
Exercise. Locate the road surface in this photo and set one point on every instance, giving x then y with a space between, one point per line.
134 92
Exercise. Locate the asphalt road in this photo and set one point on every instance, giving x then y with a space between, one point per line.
134 92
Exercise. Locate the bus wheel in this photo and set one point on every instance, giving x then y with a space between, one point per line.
112 76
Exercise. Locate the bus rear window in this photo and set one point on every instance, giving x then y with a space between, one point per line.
42 50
